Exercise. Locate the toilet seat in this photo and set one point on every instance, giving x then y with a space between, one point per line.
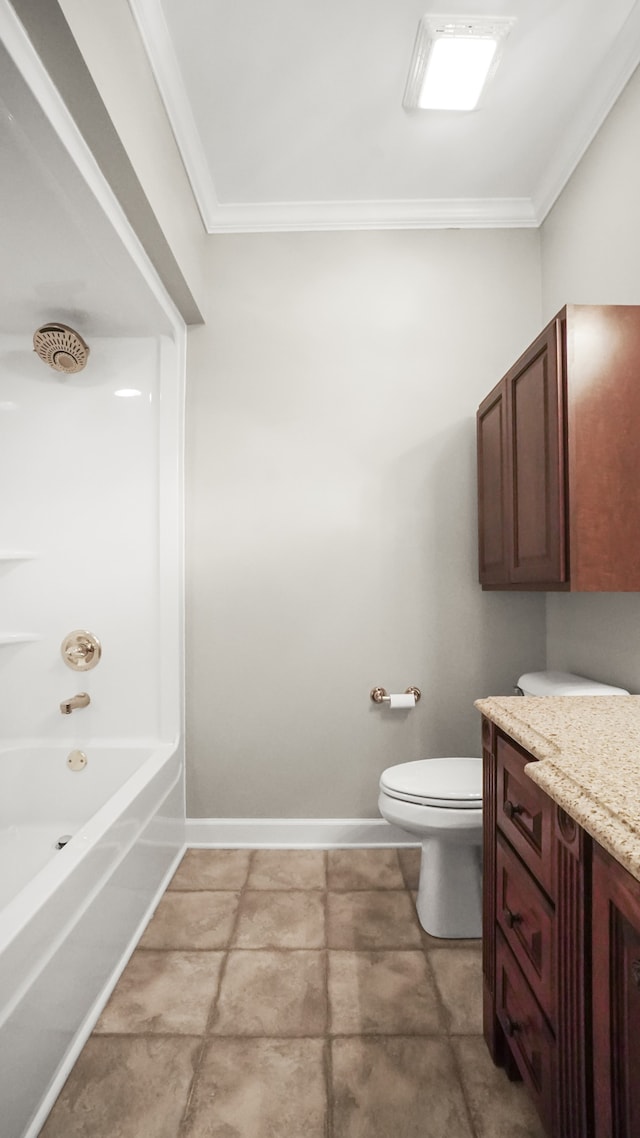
450 784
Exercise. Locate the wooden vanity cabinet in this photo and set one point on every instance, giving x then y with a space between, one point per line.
616 998
558 469
535 952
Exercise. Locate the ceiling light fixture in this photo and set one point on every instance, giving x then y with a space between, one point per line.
453 58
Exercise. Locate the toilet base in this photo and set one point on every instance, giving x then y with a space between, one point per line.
449 901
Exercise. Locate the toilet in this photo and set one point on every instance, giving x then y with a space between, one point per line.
440 802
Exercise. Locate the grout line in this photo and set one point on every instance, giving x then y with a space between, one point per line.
326 1051
197 1067
328 1078
445 1017
458 1069
329 1035
370 888
196 1071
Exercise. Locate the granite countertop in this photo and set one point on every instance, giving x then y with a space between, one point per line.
589 747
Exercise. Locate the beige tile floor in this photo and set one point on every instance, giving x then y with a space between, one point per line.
292 994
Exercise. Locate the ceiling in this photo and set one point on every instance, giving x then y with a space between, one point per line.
289 114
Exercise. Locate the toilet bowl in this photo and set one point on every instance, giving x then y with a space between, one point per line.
440 801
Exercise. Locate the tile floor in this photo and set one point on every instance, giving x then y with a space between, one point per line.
292 994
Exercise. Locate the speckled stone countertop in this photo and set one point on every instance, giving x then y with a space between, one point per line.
589 747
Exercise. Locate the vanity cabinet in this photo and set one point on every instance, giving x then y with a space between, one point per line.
561 955
535 939
616 998
558 466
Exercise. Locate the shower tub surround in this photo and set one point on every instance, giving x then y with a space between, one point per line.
70 917
93 542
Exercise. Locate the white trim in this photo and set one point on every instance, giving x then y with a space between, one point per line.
158 44
437 213
595 104
293 833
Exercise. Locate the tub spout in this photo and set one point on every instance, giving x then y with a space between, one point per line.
79 700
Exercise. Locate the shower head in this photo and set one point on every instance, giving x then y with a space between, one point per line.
60 347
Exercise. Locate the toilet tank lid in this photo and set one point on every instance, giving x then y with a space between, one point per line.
564 683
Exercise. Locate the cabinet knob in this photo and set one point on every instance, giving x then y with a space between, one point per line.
510 1025
512 808
511 919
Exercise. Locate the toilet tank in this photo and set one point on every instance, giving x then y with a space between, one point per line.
563 683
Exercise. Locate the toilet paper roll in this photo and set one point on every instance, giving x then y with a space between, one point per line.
402 699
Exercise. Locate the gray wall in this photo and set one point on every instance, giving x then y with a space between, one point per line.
331 510
590 255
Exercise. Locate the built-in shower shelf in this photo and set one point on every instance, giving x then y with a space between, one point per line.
17 555
19 637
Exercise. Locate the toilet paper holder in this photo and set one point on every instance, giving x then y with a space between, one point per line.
380 695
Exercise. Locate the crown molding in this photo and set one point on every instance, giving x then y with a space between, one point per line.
158 45
596 103
595 106
437 213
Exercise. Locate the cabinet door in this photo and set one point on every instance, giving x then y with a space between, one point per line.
535 410
494 547
526 921
616 999
530 1038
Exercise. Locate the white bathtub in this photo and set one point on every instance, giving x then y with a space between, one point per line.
70 918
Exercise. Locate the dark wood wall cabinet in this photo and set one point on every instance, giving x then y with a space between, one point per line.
558 467
561 956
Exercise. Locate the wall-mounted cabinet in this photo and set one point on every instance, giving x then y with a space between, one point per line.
559 459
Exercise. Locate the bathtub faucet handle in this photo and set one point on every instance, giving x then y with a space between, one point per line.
79 700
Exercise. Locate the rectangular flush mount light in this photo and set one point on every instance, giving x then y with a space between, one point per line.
453 58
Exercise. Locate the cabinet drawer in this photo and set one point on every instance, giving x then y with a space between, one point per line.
526 919
524 813
529 1036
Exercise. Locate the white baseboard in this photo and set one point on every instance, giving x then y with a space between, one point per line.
293 833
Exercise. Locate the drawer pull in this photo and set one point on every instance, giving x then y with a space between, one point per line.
512 808
635 972
511 1026
511 919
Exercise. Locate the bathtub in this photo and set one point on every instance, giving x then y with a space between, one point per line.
70 917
